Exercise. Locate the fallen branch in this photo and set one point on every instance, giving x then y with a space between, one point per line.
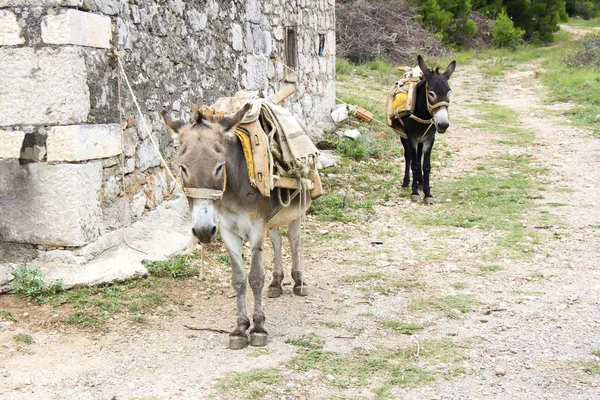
205 329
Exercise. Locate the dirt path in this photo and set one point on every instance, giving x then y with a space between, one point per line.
533 326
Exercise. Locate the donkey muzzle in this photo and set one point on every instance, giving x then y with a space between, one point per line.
441 119
204 221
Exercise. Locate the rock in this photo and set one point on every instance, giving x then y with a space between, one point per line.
339 113
328 159
351 134
500 370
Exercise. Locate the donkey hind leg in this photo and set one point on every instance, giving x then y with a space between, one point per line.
275 289
427 147
238 338
256 277
294 236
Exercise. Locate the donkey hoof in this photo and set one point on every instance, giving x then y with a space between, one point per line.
428 200
237 342
259 338
274 292
301 290
407 187
415 197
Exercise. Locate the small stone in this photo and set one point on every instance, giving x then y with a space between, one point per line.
26 314
352 133
499 370
330 378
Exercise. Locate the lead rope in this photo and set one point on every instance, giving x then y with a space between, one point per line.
164 163
123 168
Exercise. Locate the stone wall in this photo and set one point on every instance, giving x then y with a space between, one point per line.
59 99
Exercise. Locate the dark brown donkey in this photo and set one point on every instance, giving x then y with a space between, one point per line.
215 178
430 116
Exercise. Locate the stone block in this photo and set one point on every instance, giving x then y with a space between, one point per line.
83 142
78 28
47 86
40 3
10 143
55 205
146 156
10 31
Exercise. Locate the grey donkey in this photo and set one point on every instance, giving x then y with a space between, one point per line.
215 178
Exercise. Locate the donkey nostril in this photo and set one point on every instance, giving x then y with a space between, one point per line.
194 232
214 230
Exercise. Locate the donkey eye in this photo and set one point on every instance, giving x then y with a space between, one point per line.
184 171
431 95
219 170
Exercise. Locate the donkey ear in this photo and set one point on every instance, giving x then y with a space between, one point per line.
231 122
173 124
450 69
424 68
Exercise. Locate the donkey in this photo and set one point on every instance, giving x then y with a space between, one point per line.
430 116
215 180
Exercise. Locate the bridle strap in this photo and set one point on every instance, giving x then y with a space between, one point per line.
431 107
200 193
206 194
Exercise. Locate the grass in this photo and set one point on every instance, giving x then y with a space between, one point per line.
94 306
365 277
584 23
23 338
6 315
29 283
449 305
591 367
459 285
491 268
404 328
565 83
224 259
175 267
251 384
384 369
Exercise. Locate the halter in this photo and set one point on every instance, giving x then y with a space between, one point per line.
203 193
430 109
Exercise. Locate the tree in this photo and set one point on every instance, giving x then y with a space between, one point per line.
504 33
585 9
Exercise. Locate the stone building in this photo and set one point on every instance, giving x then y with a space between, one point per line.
62 150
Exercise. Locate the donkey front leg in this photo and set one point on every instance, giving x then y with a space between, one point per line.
294 236
238 339
427 147
258 334
275 289
416 168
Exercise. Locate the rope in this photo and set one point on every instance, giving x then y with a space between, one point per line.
123 169
149 132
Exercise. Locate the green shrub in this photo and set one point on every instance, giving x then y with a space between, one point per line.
29 282
504 33
176 267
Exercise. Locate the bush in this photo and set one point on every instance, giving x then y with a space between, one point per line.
176 267
504 33
585 9
29 282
